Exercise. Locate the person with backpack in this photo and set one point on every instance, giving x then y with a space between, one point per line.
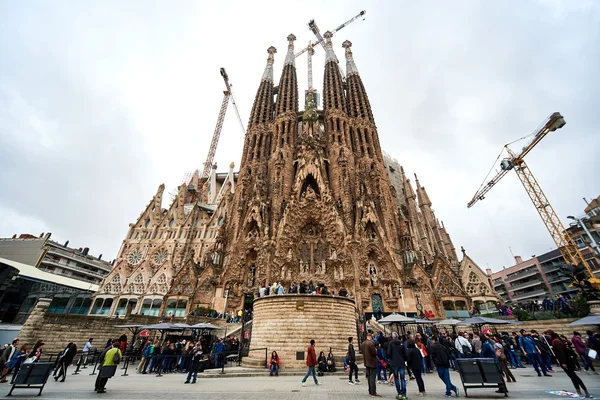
462 345
147 354
109 360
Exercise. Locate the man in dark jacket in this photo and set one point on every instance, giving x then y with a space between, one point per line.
370 356
352 363
311 362
65 360
441 360
196 359
396 358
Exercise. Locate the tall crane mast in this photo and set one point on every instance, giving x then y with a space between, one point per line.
564 242
227 94
320 40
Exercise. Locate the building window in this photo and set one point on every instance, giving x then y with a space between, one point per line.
126 306
102 306
147 224
58 305
151 306
171 223
176 307
81 306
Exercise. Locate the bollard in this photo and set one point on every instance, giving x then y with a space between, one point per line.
95 365
126 366
78 366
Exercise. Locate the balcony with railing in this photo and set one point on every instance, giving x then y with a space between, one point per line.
523 285
529 295
521 275
80 258
89 276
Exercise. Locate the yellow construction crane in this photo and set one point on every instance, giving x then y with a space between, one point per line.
564 242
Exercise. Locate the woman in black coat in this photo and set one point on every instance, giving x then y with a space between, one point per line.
414 361
65 360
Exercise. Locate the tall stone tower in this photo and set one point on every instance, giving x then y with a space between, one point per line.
314 201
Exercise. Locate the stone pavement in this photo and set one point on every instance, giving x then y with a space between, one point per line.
135 386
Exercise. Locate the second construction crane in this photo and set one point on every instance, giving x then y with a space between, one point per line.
227 94
564 242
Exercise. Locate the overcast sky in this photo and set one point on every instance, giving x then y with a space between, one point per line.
102 101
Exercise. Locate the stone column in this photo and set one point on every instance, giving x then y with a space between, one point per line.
33 328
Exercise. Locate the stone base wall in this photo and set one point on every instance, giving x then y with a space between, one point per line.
56 330
287 323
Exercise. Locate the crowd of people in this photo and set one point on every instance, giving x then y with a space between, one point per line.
559 304
395 359
295 288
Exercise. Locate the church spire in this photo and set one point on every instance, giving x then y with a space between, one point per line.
350 65
329 54
422 194
333 89
268 74
290 57
358 101
287 96
262 109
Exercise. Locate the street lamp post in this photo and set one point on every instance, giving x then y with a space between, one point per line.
581 223
401 293
225 303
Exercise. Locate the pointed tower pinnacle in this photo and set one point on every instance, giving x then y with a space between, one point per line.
350 65
290 58
422 194
268 74
329 54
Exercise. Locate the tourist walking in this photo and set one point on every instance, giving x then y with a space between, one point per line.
532 353
501 357
311 362
65 360
414 360
196 359
109 360
7 355
15 362
567 364
370 358
352 363
581 349
441 360
397 361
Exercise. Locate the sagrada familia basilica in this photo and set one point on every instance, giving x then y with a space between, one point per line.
315 199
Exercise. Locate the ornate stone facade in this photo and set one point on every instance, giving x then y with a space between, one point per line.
315 200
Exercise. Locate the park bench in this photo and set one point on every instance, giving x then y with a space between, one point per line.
32 376
480 373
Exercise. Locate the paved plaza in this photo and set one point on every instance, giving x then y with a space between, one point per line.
288 387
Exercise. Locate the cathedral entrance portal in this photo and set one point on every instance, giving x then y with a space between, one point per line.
376 303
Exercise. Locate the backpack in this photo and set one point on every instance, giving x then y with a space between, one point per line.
116 357
148 351
500 354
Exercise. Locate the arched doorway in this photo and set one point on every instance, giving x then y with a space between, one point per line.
376 304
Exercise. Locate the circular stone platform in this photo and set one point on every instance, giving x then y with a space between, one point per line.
286 323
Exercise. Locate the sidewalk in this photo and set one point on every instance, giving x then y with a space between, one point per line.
263 387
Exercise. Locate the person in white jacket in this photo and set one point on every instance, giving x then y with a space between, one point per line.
461 343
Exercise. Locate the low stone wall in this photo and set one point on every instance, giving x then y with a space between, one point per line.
56 330
287 323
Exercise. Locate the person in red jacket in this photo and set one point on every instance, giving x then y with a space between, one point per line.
274 364
311 362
